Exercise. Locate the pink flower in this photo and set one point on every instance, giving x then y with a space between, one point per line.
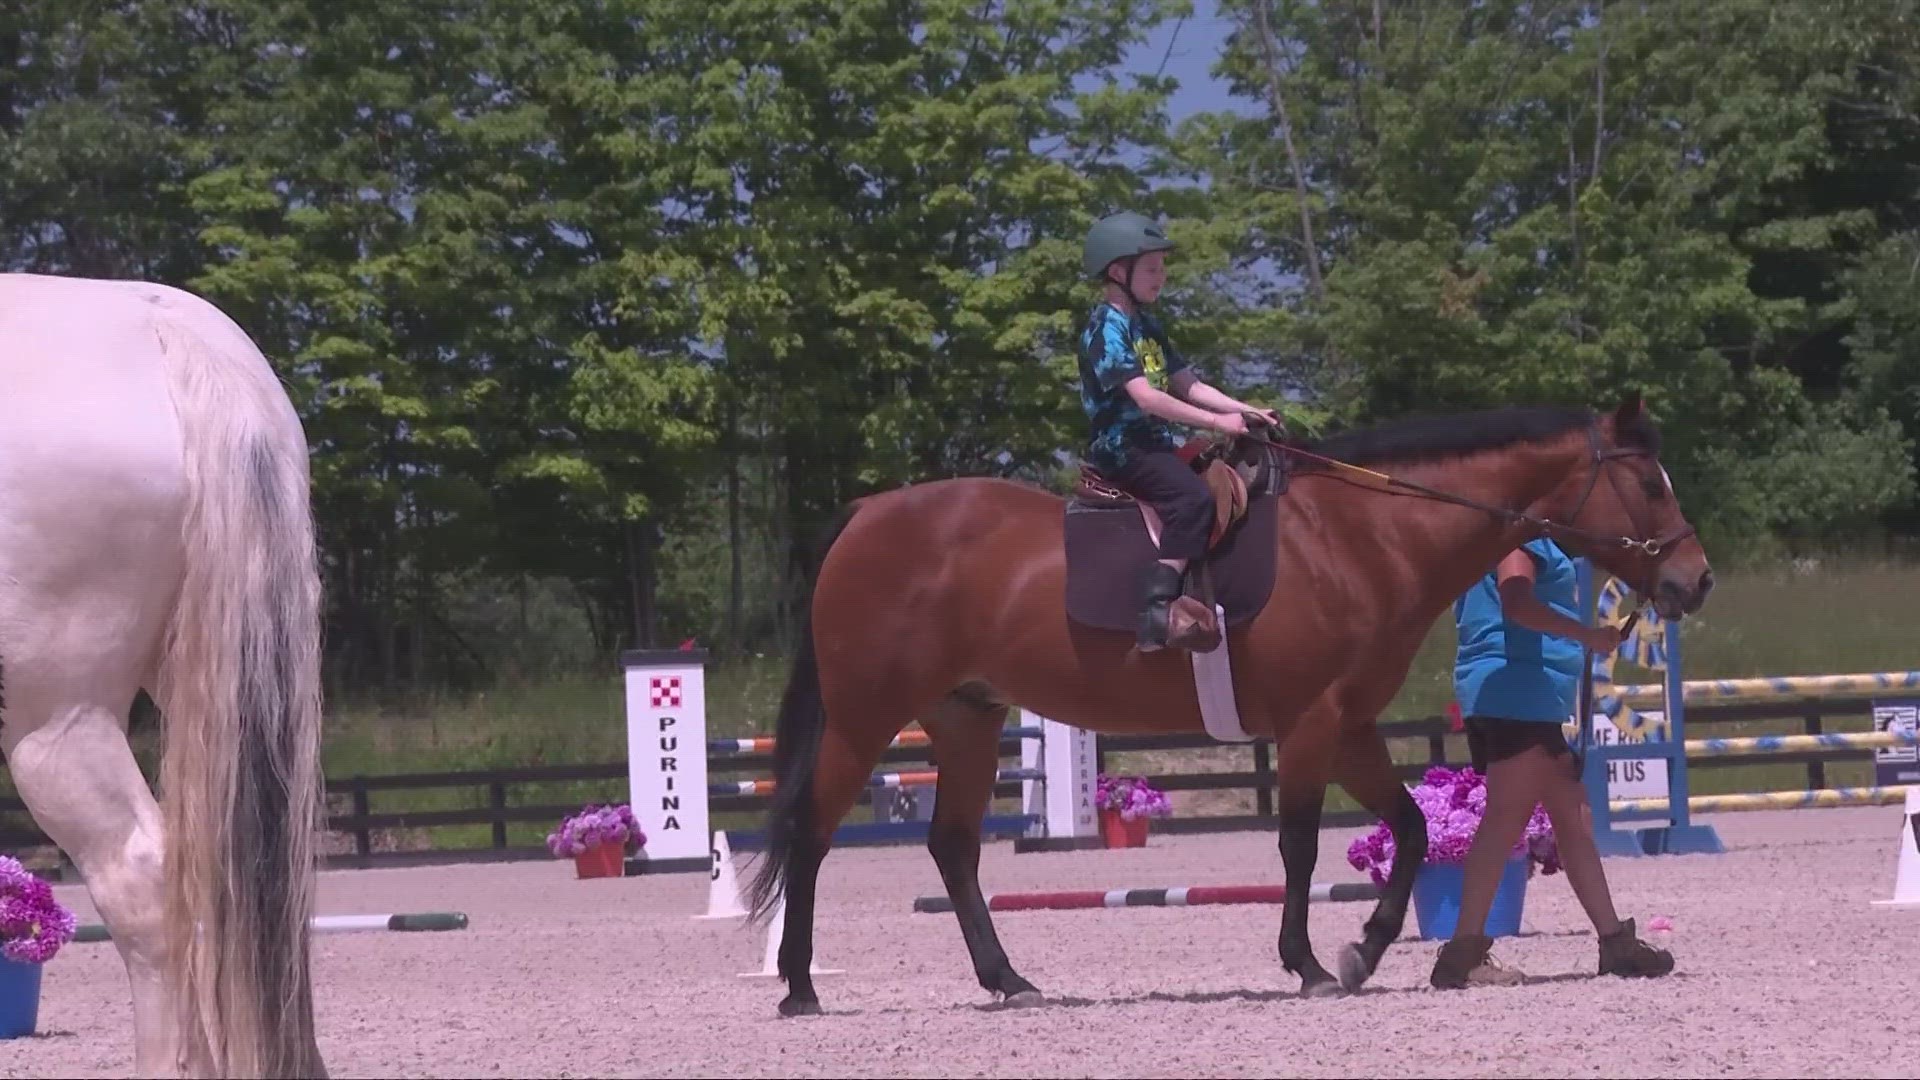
592 827
1453 802
1132 796
33 923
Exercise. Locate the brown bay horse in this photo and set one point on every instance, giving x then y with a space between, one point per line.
943 602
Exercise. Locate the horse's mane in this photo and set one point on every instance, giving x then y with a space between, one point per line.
1434 437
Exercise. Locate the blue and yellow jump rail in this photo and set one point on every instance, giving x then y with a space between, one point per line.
1654 644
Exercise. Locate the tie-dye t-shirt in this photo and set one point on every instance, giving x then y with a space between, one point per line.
1113 350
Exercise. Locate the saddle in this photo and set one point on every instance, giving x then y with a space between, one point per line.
1112 540
1233 483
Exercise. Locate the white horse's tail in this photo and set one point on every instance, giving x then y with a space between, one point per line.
239 687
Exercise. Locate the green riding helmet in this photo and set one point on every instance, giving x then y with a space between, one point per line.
1121 236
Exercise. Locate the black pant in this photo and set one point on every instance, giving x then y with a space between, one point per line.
1177 494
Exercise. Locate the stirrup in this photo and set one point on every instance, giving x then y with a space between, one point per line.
1166 591
1163 586
1151 635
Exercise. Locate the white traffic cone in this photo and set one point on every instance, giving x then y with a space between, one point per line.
723 889
770 962
1906 875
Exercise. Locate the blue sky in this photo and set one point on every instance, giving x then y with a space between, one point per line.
1188 48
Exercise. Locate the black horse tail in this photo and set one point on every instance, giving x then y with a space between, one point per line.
796 750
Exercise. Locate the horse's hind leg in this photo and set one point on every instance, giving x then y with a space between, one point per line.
966 739
842 772
67 750
1366 772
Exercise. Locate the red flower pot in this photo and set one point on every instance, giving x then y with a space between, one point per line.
601 860
1118 832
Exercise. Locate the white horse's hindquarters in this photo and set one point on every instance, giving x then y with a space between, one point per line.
92 487
92 493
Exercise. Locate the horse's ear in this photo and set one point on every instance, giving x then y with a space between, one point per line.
1632 407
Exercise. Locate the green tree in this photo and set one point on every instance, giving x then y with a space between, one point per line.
1476 203
884 201
94 101
427 208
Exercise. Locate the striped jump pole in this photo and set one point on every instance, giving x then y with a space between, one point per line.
338 924
1785 686
670 789
879 780
1187 896
1793 744
763 744
1824 798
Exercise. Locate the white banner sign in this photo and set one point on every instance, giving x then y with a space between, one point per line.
667 753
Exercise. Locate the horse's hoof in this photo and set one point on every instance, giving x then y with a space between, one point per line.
1025 999
1354 971
800 1007
1325 988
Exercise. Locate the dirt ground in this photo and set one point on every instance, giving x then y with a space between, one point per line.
1785 969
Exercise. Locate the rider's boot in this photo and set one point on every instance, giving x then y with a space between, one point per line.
1171 618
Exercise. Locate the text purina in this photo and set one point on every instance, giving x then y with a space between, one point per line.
669 801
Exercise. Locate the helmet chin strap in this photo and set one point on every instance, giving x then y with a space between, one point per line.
1127 285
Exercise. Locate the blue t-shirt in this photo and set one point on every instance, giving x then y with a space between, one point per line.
1506 670
1113 350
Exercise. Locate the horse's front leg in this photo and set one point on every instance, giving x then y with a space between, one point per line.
1367 773
1303 762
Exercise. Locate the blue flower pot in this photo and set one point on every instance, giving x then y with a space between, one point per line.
1436 899
19 998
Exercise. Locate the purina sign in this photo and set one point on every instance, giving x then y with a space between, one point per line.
667 754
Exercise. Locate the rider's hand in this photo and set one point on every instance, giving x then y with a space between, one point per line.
1230 423
1272 419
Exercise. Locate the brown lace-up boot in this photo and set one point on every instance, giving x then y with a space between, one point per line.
1466 961
1623 953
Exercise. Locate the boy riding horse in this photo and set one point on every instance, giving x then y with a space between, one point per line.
1132 383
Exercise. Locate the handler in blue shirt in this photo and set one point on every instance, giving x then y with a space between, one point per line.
1517 678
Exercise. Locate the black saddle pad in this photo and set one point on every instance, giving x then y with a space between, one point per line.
1109 550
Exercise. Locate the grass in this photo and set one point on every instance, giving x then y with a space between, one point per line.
1805 621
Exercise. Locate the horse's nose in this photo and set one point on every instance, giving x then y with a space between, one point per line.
1699 598
1687 597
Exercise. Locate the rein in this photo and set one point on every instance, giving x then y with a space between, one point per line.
1651 547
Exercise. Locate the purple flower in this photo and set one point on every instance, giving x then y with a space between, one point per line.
1132 796
1453 803
593 826
33 924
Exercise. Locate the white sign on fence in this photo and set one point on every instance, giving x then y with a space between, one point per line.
1070 759
1632 778
667 752
1896 765
1635 778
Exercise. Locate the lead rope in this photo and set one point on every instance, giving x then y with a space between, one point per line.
1586 695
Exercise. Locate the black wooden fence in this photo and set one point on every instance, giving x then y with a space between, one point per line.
1417 744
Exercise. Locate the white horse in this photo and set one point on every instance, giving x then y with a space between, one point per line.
155 532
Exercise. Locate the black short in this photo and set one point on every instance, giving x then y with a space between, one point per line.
1494 738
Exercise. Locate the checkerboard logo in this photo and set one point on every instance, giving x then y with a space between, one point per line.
665 692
